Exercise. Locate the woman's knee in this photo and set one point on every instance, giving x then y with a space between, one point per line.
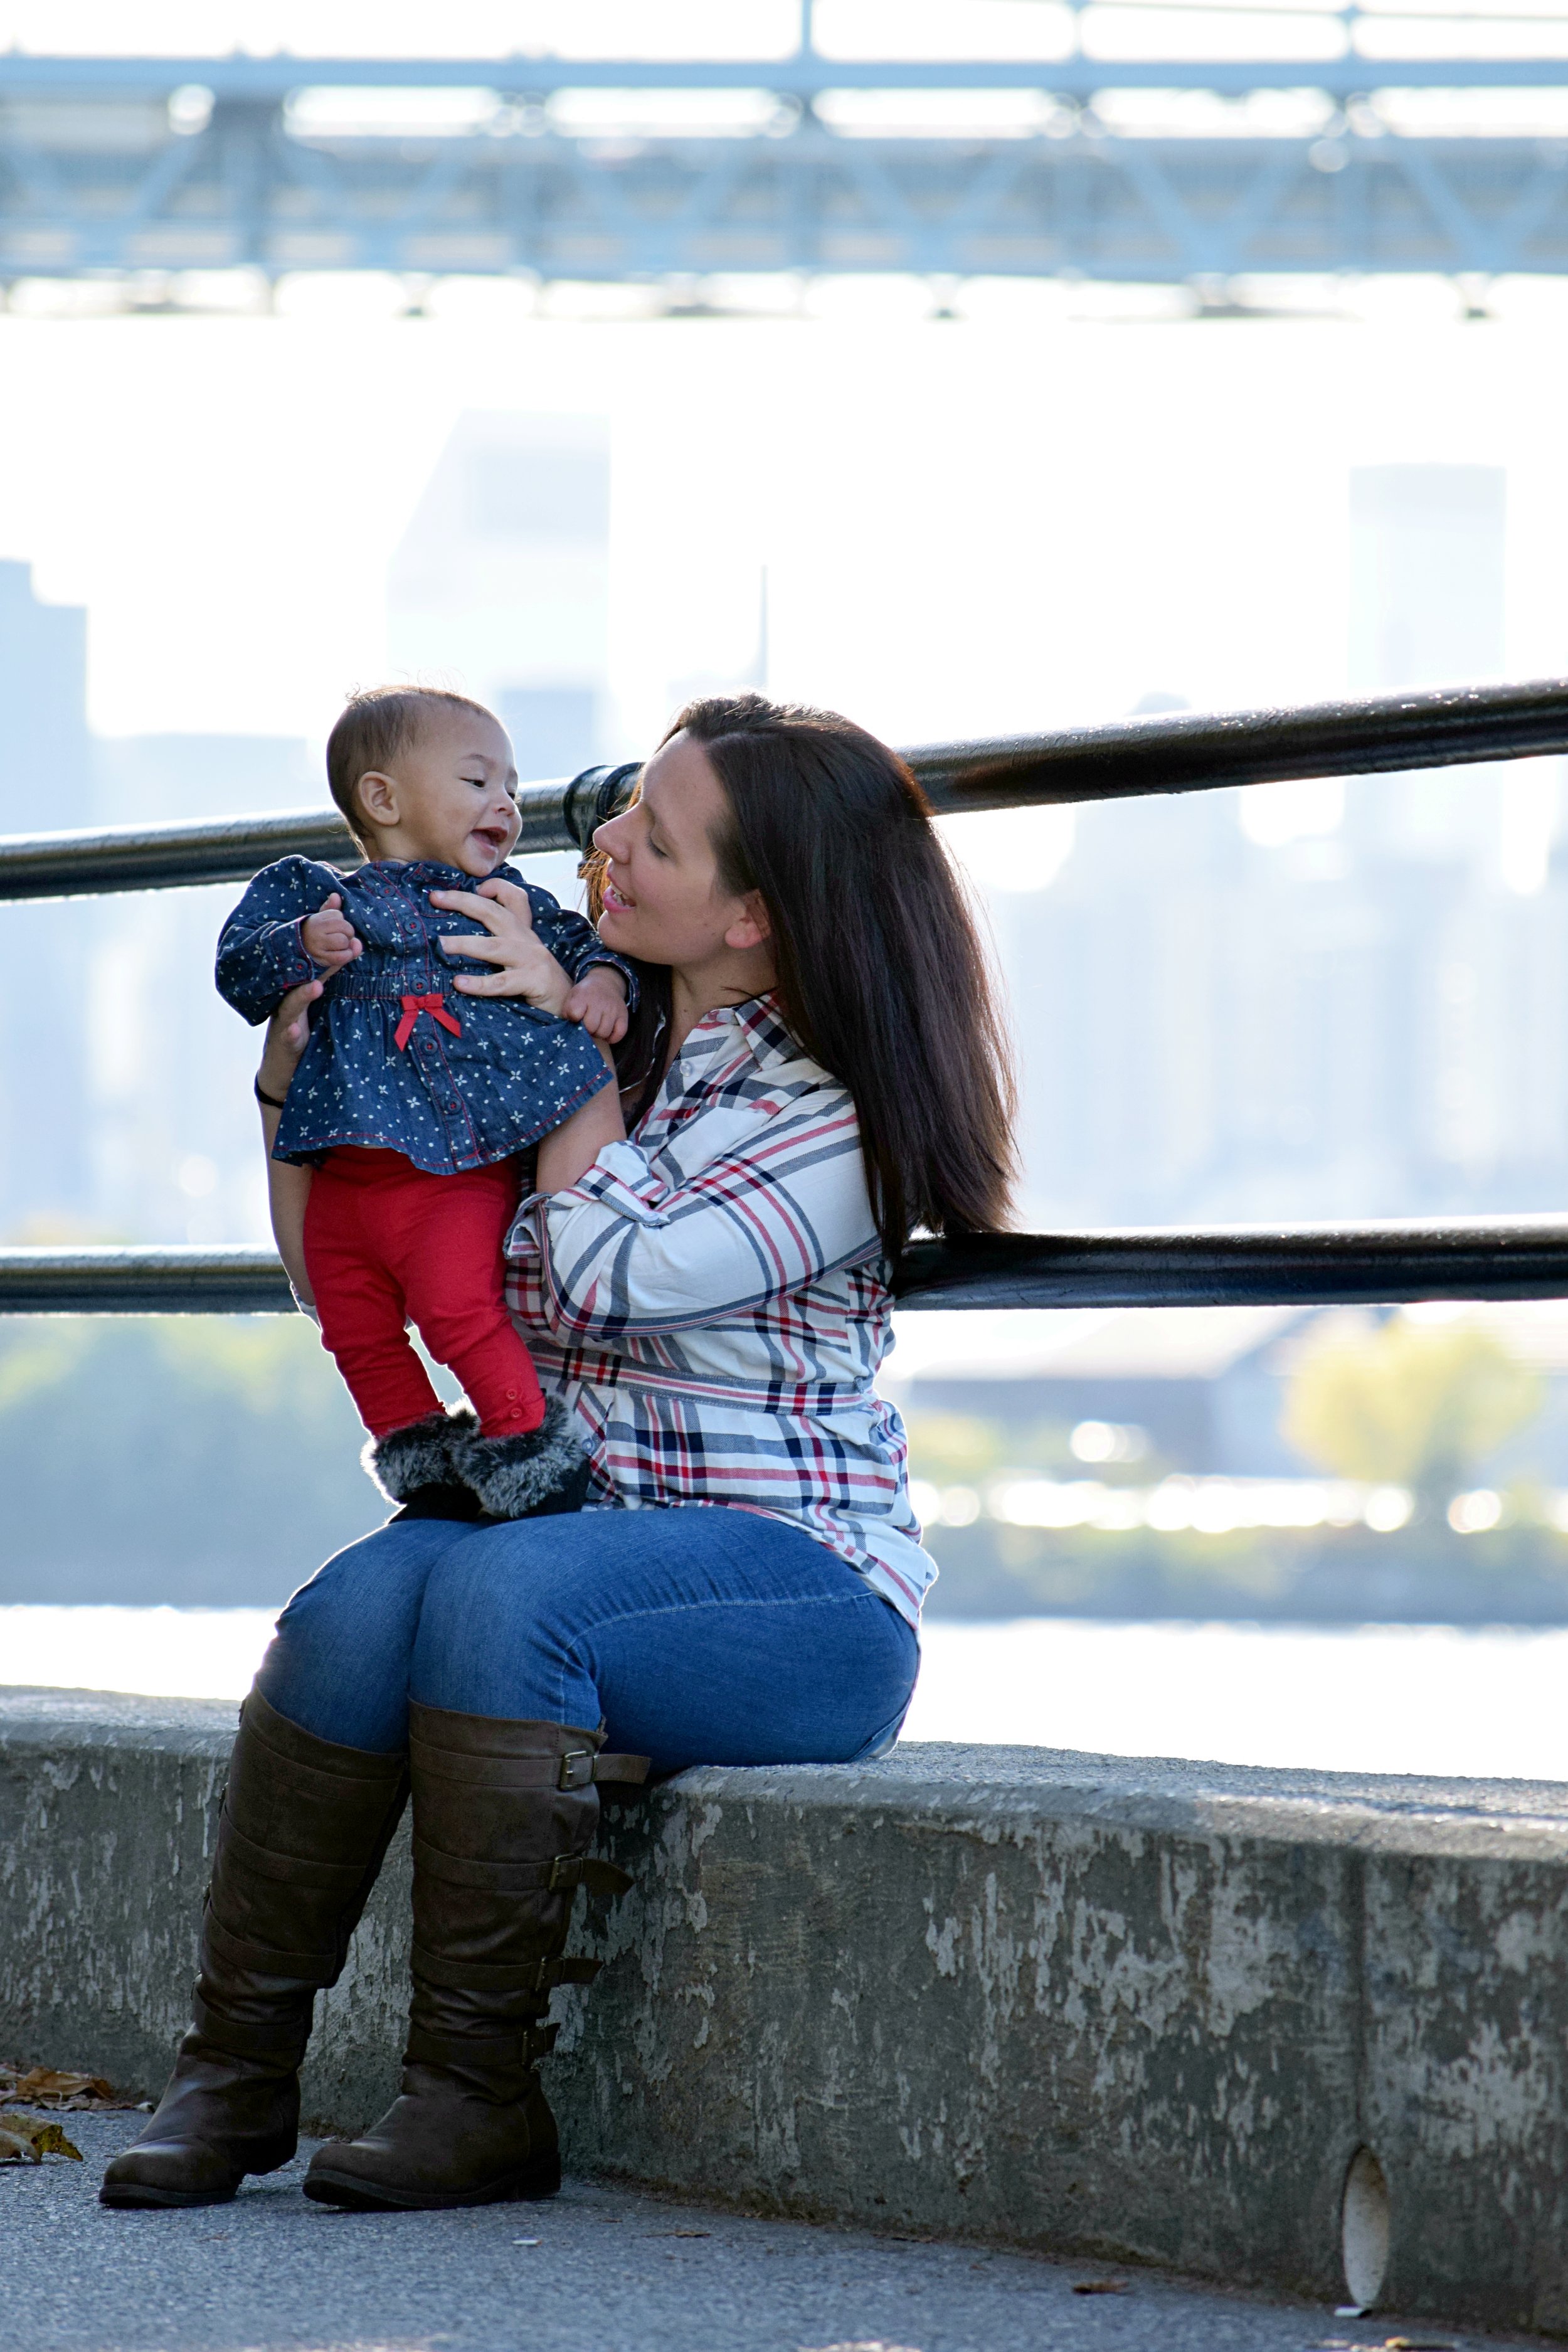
506 1623
338 1665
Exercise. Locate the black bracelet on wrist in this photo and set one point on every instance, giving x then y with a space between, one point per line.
273 1102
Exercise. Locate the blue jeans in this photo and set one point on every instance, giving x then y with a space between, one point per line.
697 1635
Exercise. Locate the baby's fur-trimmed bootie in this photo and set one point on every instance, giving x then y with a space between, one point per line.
413 1463
526 1477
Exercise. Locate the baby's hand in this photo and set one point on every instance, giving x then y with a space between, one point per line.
329 938
599 1002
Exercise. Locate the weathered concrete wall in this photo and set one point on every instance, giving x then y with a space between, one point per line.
1151 2010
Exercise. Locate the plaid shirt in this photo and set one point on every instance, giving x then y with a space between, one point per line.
710 1297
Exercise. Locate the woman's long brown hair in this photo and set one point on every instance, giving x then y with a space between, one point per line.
882 974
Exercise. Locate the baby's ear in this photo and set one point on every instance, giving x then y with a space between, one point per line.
376 794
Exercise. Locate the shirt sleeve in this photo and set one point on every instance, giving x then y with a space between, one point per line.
260 955
625 1252
575 943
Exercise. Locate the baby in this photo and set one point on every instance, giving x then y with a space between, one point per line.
412 1099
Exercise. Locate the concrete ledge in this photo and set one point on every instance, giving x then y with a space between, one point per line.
1144 2009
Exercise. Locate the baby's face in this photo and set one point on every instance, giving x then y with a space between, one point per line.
451 797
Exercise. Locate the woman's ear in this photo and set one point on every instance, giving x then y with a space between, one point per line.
750 928
377 796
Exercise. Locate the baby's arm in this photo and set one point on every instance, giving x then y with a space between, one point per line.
599 1001
261 954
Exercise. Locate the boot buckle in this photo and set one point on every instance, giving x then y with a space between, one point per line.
576 1768
574 1869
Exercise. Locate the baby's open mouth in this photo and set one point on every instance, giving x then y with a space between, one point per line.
492 836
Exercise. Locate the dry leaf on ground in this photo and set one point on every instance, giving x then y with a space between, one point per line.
56 2087
861 2343
25 2140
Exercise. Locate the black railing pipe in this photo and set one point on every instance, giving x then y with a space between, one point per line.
1173 751
235 1279
1195 751
1246 1266
1226 1266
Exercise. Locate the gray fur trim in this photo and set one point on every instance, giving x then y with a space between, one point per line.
513 1475
420 1454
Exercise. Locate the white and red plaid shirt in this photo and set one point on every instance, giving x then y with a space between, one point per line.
712 1299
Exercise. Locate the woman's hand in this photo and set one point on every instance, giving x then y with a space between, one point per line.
523 967
286 1034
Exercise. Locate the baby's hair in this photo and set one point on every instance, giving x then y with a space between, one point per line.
378 723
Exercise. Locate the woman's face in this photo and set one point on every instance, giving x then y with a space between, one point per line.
663 899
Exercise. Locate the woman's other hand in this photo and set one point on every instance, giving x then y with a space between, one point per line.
286 1034
523 967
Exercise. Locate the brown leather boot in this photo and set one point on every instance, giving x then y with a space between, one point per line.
503 1816
302 1833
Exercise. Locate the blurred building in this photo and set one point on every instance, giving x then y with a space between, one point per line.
174 1152
501 586
1200 1390
1315 1001
45 786
124 1080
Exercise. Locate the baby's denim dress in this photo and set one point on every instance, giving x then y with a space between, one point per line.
396 1057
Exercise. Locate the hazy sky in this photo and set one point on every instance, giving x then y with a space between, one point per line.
974 525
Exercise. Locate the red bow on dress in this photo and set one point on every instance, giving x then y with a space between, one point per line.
413 1006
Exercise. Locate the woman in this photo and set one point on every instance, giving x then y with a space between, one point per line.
745 1588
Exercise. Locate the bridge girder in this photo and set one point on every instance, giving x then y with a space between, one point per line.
250 189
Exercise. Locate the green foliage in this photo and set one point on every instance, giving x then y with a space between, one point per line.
961 1449
953 1448
1408 1404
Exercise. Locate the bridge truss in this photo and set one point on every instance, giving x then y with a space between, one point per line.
124 165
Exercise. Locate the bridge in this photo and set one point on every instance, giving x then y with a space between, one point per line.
1152 144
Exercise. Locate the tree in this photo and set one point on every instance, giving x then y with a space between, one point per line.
1408 1404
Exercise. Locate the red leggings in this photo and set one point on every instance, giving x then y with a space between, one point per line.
387 1244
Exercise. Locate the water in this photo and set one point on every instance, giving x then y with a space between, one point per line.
1370 1698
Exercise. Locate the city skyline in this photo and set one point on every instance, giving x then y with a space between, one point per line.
1306 1000
966 527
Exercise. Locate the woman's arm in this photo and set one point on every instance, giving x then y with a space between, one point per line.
287 1187
571 1149
624 1252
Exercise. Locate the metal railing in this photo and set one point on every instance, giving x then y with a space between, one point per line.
1175 751
1319 1265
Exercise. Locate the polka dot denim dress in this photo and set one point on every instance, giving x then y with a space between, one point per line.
396 1057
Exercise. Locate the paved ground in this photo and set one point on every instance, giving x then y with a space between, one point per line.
597 2270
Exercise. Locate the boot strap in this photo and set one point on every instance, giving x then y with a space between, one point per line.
372 1768
313 1968
342 1878
482 1975
429 2049
249 2041
566 1872
578 1768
